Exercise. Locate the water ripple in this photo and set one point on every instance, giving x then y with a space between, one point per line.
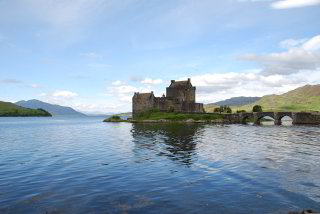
85 166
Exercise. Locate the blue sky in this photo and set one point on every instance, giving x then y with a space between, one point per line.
93 55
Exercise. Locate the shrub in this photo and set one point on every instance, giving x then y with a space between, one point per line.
228 110
223 109
216 109
171 109
115 117
257 108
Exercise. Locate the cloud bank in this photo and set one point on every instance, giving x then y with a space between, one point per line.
286 4
300 56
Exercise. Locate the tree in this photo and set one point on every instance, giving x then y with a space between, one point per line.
223 109
228 110
257 108
241 111
217 110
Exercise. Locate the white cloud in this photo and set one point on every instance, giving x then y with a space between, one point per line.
97 65
151 81
60 97
286 4
300 56
281 72
291 43
118 82
64 94
219 86
10 81
124 92
99 108
253 0
64 22
35 86
92 55
313 44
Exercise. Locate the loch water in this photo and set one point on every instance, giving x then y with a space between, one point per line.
81 165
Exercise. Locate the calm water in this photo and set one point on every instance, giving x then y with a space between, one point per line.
59 165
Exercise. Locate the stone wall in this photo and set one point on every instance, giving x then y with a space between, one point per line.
305 118
192 107
141 103
165 104
182 94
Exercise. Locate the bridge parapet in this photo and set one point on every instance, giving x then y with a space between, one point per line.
299 118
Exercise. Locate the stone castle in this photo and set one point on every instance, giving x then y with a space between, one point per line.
181 97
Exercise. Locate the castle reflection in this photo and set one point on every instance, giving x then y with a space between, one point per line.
174 141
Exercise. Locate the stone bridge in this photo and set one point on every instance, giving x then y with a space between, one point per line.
297 117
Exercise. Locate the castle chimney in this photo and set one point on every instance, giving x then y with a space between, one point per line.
172 81
188 79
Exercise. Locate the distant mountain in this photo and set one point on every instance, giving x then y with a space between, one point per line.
125 114
8 109
55 110
236 101
101 114
306 98
97 113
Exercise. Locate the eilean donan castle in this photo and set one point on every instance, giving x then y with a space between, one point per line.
181 97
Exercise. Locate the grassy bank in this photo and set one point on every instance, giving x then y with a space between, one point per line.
176 116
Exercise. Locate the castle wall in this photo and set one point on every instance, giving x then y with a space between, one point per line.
182 94
192 107
180 98
191 95
174 93
141 103
166 104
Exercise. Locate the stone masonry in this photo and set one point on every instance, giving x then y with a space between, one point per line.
181 97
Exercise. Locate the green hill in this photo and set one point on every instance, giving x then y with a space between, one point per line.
53 109
306 98
8 109
235 101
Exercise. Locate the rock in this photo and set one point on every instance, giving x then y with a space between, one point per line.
190 121
304 212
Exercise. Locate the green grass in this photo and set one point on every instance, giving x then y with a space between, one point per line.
176 116
115 118
281 104
305 98
8 109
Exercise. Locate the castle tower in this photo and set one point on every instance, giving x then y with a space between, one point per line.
182 91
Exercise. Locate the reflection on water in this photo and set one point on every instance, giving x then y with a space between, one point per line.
81 165
175 141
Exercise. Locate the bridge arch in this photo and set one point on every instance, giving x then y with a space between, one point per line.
279 115
259 115
244 117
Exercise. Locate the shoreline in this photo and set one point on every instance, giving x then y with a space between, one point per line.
173 121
